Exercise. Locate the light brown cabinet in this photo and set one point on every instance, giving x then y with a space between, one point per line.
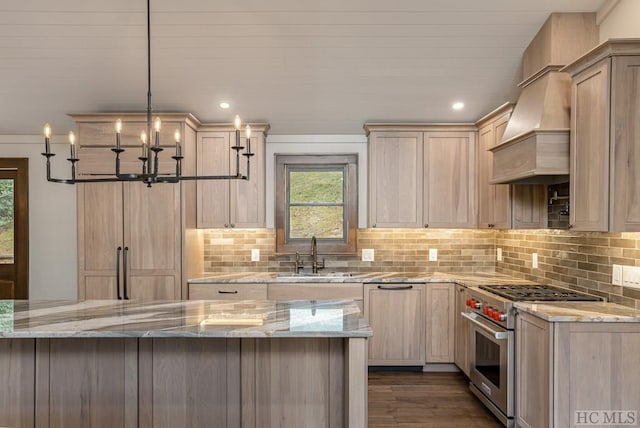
604 190
567 370
440 320
228 291
395 179
230 203
505 206
132 238
396 315
422 176
462 330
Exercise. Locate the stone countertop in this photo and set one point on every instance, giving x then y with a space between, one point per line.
580 311
468 279
196 318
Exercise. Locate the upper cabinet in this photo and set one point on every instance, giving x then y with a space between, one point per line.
504 206
605 136
422 176
230 203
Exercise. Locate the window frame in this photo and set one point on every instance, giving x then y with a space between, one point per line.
349 164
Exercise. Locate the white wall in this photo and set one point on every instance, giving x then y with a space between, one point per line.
52 221
314 144
619 19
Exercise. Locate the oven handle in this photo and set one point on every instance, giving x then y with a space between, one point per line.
499 335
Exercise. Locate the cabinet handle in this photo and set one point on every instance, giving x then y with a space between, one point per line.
491 225
373 225
124 270
426 225
227 292
233 225
118 251
395 287
570 226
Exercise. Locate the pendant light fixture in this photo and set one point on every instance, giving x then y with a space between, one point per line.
150 150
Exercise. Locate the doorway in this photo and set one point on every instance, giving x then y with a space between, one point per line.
14 228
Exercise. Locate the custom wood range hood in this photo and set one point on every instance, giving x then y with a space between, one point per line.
535 145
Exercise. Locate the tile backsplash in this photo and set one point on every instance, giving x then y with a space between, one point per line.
580 260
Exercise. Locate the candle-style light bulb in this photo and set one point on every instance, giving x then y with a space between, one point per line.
118 130
143 137
47 136
247 131
237 122
176 135
157 124
72 144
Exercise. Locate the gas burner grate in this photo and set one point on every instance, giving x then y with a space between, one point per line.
522 293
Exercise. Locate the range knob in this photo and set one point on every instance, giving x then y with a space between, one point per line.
476 304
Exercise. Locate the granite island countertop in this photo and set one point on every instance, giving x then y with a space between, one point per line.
195 318
580 311
468 279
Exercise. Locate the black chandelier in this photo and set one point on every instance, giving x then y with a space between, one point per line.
149 173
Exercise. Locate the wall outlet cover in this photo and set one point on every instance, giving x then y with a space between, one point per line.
616 277
499 254
631 276
255 254
534 260
433 254
368 255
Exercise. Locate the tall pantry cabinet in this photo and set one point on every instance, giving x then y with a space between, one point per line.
132 238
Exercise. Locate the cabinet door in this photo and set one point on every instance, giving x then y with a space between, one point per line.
529 206
247 198
17 371
213 195
589 185
625 137
100 234
396 315
449 180
152 241
501 212
440 321
486 191
462 332
87 382
395 179
533 388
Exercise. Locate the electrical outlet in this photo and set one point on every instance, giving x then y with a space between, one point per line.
616 277
255 254
499 254
433 254
534 260
368 255
631 276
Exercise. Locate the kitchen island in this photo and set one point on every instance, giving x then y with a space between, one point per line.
253 363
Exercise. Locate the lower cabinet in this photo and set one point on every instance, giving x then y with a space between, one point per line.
317 291
571 374
227 291
440 320
462 331
396 315
413 324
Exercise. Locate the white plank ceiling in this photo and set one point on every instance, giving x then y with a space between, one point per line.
306 67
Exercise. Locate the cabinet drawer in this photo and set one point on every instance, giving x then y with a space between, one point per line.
227 291
315 291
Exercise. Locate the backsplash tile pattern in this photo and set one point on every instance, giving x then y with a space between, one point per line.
396 250
579 260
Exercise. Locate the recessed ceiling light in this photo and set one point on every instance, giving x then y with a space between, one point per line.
458 105
224 105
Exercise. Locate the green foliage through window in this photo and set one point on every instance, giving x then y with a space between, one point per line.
6 221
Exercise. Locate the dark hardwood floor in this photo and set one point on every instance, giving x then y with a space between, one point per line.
426 400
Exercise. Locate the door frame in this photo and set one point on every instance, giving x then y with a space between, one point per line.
21 222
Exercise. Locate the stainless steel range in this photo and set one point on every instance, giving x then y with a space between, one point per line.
492 352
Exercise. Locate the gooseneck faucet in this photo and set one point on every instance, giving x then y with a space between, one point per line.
314 256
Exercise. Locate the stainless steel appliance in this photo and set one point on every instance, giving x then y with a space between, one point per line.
492 347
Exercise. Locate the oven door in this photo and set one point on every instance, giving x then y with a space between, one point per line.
491 370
